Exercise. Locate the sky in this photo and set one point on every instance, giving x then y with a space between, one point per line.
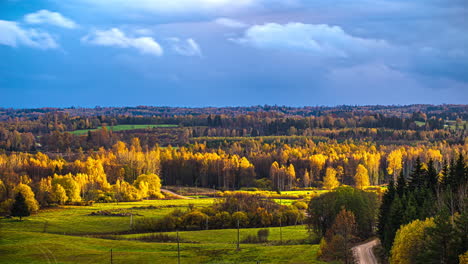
194 53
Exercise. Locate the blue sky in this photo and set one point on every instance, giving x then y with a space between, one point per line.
229 53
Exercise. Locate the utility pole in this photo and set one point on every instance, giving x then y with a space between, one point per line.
178 248
111 255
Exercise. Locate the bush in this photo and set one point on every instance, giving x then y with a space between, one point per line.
145 224
5 206
261 237
300 205
195 220
263 234
165 238
221 220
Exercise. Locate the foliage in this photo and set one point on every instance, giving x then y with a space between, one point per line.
330 182
28 195
20 207
323 210
409 240
339 237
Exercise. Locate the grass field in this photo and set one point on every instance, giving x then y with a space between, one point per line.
70 237
121 128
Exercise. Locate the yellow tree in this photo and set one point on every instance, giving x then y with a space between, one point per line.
361 177
28 196
395 160
291 174
149 184
274 174
306 178
59 195
409 240
329 181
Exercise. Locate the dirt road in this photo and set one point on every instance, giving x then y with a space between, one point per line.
175 194
363 254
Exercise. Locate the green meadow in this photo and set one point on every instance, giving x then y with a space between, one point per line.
69 234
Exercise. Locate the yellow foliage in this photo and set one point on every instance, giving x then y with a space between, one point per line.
28 196
408 241
329 181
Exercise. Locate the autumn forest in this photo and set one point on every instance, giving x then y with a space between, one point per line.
346 173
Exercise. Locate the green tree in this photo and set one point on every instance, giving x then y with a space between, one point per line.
409 240
20 207
339 237
442 241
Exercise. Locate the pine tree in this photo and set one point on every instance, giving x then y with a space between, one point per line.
416 179
401 185
384 212
441 241
431 178
20 207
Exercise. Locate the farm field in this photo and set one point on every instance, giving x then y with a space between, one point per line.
69 234
122 128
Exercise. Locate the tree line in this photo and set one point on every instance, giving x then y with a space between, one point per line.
423 217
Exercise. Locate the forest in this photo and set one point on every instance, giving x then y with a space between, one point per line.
346 173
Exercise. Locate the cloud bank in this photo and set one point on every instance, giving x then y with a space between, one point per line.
116 38
316 39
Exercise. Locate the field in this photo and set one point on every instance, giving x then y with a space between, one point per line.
70 235
122 128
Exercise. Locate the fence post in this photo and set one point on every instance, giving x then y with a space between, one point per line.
178 248
238 235
111 255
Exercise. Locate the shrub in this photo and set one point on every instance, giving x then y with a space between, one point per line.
263 234
157 238
195 220
300 205
261 237
221 220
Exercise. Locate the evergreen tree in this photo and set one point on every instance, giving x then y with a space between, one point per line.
401 184
416 178
20 207
431 178
394 221
441 242
384 211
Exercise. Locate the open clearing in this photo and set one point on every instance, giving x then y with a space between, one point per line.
68 235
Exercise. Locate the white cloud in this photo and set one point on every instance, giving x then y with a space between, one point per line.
116 38
316 39
47 17
11 34
189 47
232 23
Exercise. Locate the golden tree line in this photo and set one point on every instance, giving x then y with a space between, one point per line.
117 173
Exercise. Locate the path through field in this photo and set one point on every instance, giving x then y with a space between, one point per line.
364 254
175 194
